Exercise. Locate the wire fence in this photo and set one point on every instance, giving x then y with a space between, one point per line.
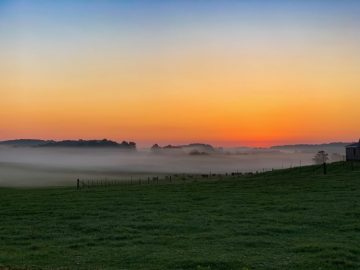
323 169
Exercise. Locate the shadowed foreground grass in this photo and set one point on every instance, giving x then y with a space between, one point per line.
291 219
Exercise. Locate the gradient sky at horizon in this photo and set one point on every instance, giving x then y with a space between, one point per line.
223 72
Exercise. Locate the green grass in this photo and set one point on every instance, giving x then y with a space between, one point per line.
290 219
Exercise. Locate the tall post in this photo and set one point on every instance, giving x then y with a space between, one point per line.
324 166
78 184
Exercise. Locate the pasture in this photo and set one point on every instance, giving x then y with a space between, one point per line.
287 219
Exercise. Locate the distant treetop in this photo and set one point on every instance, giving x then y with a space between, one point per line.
69 143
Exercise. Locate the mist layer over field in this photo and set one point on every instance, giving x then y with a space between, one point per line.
36 166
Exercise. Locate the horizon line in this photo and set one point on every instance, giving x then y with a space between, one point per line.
225 144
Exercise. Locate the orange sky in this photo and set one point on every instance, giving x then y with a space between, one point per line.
238 86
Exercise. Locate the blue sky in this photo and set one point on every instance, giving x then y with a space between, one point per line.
264 58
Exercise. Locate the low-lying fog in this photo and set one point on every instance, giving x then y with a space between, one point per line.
36 166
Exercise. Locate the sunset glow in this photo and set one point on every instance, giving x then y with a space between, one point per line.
221 72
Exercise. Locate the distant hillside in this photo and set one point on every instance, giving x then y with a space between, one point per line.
91 143
330 147
69 143
24 142
193 148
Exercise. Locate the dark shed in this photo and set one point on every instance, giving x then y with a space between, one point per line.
353 152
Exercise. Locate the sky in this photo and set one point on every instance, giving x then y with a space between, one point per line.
229 73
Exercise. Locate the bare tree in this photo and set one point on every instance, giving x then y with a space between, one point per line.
321 157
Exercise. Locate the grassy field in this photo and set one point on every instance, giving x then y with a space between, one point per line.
290 219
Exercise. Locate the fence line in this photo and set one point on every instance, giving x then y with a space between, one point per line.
176 178
324 169
89 183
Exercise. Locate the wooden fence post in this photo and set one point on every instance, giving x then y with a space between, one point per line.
78 184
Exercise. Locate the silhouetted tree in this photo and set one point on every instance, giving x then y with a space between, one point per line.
132 145
321 157
155 148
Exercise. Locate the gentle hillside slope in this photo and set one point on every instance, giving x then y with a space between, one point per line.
291 219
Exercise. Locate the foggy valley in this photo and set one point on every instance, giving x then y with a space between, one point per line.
49 166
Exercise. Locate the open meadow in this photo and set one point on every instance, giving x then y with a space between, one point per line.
286 219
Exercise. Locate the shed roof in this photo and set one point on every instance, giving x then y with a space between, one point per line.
354 145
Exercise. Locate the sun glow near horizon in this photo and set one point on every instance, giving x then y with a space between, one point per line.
220 72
